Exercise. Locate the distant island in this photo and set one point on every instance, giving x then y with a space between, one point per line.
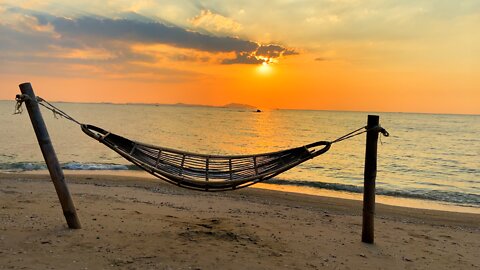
229 106
239 106
180 104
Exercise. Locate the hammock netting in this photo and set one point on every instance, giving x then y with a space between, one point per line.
206 172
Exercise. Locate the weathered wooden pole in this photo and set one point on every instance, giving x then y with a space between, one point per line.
369 179
50 157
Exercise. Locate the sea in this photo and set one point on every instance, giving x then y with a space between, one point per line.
428 161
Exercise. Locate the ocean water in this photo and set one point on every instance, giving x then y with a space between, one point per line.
427 156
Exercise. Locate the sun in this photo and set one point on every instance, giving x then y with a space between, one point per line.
264 68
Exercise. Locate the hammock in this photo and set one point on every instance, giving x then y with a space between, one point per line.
206 172
199 171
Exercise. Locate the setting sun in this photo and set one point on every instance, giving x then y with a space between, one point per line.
264 68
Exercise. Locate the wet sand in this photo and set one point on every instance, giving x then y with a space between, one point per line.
136 223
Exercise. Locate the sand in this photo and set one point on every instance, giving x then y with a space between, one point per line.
135 223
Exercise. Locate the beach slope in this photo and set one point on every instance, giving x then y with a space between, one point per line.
137 223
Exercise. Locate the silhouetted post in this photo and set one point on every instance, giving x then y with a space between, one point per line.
369 179
50 157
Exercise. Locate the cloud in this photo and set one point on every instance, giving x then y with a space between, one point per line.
94 29
264 53
243 58
126 46
274 51
270 51
289 52
215 22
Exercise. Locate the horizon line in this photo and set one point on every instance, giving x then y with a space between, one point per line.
248 106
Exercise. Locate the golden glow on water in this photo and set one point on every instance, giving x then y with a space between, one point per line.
264 127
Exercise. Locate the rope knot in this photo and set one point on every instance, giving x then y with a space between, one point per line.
18 106
42 102
360 131
384 132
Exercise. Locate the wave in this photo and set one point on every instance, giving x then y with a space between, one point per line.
75 166
465 199
461 198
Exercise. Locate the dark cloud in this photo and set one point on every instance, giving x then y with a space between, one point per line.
188 58
43 53
262 54
270 51
14 40
243 58
95 29
43 46
289 52
116 36
321 59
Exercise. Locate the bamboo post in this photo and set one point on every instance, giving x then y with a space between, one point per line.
50 157
369 179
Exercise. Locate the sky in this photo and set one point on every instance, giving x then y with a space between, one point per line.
371 55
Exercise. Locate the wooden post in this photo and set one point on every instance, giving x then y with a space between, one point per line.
369 179
50 157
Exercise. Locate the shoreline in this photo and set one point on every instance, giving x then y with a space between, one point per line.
136 223
342 204
380 199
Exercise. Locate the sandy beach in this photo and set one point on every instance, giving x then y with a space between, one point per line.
136 223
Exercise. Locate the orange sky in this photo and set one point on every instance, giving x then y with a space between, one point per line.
417 56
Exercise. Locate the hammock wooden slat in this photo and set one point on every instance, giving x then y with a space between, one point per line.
206 172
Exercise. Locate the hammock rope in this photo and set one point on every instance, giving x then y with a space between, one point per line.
200 171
